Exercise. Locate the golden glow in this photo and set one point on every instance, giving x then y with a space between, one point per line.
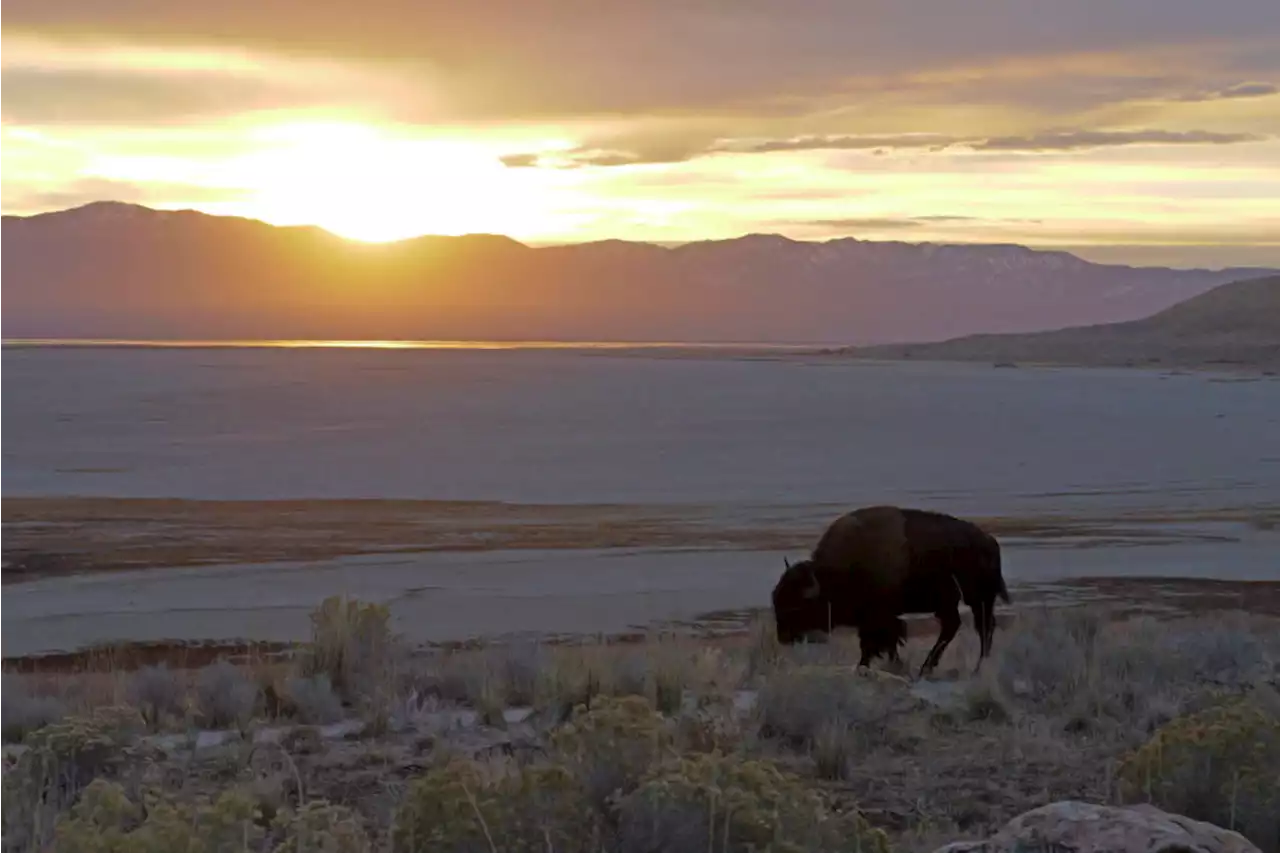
361 183
366 183
352 147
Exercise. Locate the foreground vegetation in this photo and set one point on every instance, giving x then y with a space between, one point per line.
669 745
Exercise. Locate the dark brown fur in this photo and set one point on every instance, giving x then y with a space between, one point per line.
874 564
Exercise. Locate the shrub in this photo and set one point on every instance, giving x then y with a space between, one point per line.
225 695
321 827
1183 654
1221 765
313 699
517 667
1221 654
571 678
798 705
714 802
1067 661
1049 659
460 808
763 650
23 713
611 745
351 643
983 700
61 760
155 691
105 821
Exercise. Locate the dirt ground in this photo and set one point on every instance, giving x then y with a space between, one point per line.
46 537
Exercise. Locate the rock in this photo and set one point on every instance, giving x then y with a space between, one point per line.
1076 827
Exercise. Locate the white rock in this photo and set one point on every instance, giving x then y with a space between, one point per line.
1076 827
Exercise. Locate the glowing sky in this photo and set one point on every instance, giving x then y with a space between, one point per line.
1144 132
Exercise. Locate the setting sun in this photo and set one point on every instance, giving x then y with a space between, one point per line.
363 184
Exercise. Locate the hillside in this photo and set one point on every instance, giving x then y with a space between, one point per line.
112 270
1236 324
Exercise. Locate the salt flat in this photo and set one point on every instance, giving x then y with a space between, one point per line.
575 427
620 489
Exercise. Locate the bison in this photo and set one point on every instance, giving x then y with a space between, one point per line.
876 563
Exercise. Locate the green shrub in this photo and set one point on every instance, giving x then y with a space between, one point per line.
1221 765
463 807
61 760
610 746
714 802
105 821
321 827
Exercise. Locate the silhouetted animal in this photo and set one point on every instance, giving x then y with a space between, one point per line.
874 564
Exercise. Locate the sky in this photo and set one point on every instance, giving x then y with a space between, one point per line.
1131 131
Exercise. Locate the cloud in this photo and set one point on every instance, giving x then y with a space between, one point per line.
1048 141
39 97
1077 139
1239 90
512 58
896 223
832 143
519 161
48 82
859 224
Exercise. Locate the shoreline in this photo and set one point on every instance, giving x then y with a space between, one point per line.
840 353
47 537
1161 598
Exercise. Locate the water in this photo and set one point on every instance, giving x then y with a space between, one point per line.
587 426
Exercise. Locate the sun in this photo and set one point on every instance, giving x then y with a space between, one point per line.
364 184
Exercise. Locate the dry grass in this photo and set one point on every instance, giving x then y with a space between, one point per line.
627 740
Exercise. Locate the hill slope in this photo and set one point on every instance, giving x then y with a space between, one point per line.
1234 324
116 270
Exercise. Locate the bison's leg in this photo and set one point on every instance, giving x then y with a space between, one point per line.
990 628
950 619
981 616
880 639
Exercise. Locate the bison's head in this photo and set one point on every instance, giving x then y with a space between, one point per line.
799 607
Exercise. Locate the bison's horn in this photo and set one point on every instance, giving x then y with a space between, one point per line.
786 562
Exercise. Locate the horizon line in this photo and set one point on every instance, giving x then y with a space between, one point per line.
397 344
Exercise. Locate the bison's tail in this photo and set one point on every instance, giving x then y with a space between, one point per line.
1003 592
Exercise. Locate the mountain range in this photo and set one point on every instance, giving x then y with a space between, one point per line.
115 270
1235 324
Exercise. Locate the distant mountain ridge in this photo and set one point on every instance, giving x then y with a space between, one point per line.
115 270
1236 324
